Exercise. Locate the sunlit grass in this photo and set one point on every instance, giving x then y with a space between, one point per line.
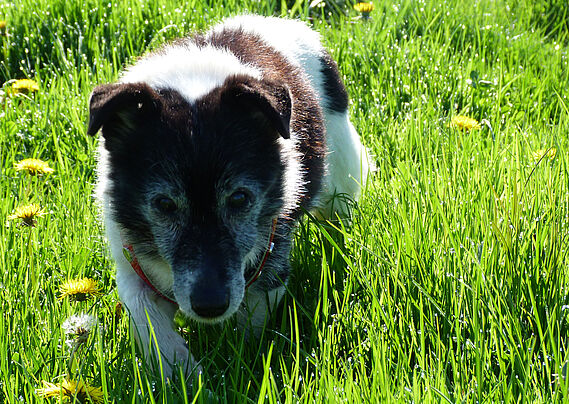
451 283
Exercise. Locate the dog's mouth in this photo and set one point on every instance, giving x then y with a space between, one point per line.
210 315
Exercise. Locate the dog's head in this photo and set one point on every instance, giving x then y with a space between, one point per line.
197 184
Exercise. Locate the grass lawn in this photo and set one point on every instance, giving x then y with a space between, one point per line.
451 284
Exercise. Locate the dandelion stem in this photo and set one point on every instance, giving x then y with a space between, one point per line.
28 188
32 280
72 363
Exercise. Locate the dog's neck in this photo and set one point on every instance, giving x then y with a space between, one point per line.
128 252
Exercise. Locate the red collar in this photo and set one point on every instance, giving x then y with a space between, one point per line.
128 252
268 252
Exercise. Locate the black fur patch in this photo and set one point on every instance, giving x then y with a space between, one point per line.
306 118
336 96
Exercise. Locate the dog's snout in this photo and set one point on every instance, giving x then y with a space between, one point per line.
210 302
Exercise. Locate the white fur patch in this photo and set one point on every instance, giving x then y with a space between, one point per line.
191 70
347 161
293 182
293 39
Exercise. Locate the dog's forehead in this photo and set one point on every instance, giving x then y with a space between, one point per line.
176 112
208 132
197 146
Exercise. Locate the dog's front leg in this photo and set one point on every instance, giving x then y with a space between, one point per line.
257 308
151 319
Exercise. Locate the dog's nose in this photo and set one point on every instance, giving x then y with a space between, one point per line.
210 303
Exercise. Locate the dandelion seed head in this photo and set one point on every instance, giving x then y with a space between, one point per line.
77 329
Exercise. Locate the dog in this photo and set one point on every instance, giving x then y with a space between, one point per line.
212 148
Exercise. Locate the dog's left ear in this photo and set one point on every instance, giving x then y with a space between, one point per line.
271 99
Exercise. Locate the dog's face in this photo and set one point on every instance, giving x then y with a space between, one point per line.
196 185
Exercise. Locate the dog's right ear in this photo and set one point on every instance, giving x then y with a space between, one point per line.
119 107
269 99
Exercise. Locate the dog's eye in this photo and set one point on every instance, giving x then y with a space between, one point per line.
237 200
165 204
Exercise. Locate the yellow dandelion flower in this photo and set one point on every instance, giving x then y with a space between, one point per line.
464 123
23 86
2 28
33 166
364 8
70 390
543 154
27 214
79 289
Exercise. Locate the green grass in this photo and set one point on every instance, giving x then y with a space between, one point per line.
450 285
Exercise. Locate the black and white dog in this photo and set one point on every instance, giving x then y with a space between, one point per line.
211 149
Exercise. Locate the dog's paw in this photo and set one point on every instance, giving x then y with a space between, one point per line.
209 397
196 392
182 364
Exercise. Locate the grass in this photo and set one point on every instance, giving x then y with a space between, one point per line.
449 286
